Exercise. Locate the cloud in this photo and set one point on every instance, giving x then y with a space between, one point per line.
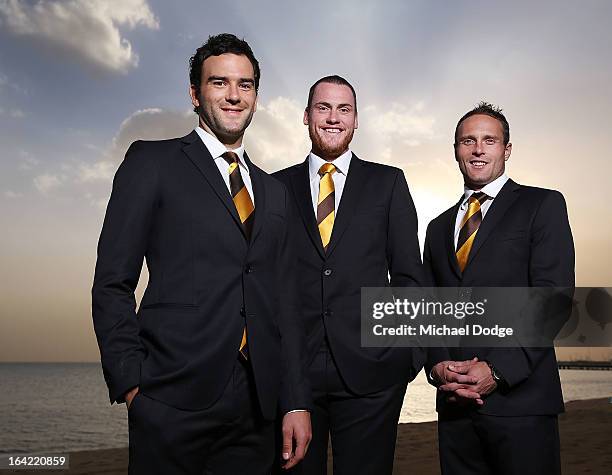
400 123
99 171
277 138
5 82
146 124
47 182
12 113
96 201
27 162
151 124
88 29
12 195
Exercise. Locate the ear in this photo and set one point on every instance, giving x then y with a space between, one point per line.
193 93
507 151
255 103
305 116
356 121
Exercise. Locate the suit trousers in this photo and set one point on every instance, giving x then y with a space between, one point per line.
228 438
480 444
363 428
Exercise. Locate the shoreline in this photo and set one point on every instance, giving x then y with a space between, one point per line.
585 428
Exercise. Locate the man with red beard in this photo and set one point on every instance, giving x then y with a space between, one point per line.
356 227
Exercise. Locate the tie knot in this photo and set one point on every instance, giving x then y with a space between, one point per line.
480 197
327 168
230 157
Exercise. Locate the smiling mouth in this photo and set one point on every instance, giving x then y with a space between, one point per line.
478 163
331 130
231 111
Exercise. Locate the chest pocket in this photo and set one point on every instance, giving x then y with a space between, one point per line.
512 236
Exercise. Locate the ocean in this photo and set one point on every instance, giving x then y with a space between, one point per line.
61 407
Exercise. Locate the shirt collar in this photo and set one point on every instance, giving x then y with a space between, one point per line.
341 163
491 189
216 148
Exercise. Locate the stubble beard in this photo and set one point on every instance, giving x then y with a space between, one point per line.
219 128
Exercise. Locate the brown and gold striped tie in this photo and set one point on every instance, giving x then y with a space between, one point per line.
245 208
240 194
326 203
469 227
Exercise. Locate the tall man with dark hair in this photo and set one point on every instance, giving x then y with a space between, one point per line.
216 347
497 407
357 225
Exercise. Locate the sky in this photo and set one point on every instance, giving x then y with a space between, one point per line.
81 79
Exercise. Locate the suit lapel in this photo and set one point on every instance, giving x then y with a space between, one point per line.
300 182
353 187
450 239
505 198
260 197
197 152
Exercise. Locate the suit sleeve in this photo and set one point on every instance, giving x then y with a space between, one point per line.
295 387
121 249
551 265
403 253
434 354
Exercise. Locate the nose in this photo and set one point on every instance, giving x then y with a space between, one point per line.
478 150
332 117
232 95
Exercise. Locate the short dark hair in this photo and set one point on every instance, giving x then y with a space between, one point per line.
215 46
333 79
489 109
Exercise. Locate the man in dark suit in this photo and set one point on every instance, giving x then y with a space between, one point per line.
356 226
498 407
216 345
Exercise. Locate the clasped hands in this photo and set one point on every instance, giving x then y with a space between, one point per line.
465 382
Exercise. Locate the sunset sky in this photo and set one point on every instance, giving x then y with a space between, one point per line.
81 79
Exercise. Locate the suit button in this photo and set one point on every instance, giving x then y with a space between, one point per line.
327 272
249 269
243 312
327 313
465 294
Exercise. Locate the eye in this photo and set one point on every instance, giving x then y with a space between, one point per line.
218 82
322 108
345 110
468 142
490 141
246 86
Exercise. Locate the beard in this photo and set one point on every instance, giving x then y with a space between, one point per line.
223 128
329 149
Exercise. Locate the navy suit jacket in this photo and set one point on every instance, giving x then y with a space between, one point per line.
524 241
373 244
170 205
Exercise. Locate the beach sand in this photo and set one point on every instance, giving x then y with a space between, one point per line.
586 446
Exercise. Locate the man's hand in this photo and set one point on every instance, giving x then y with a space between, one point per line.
129 396
296 426
484 383
455 375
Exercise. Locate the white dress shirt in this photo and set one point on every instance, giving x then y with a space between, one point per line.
491 189
341 163
216 149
